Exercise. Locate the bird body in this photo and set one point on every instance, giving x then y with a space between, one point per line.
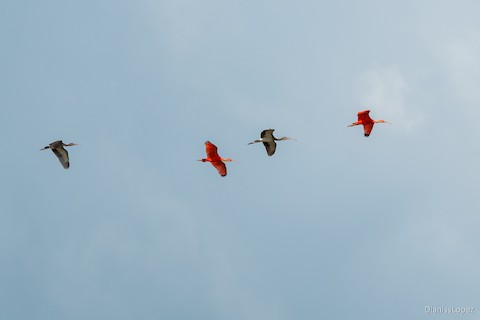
268 140
216 161
367 122
58 149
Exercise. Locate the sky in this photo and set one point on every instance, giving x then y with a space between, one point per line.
333 226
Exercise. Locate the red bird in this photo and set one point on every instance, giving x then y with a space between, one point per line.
367 122
215 159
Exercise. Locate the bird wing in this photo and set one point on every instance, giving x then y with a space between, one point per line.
62 155
211 150
364 117
270 147
268 134
221 167
367 128
56 144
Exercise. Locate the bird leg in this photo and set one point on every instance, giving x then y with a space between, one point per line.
355 124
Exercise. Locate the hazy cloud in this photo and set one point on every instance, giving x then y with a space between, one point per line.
461 59
387 93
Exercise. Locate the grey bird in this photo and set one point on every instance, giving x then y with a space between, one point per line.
58 148
268 140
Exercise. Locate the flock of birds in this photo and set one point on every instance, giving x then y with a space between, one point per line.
266 137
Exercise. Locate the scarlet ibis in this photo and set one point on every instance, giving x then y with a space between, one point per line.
367 122
269 141
60 152
215 159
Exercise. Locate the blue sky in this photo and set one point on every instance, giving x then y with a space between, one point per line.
333 226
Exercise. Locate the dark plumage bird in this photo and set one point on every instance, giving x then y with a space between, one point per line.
58 148
268 140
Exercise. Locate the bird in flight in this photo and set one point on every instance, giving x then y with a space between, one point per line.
269 141
58 148
215 159
367 122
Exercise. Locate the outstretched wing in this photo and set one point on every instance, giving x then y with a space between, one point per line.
267 134
367 128
62 155
364 117
270 147
211 150
221 167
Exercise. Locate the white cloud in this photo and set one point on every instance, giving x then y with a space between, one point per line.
386 93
